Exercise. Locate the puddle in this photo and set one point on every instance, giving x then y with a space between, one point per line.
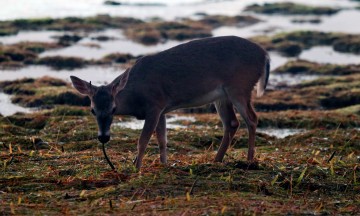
280 133
171 122
326 54
98 75
7 108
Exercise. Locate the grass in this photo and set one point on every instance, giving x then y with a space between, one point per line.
72 177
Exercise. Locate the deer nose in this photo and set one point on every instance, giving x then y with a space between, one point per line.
104 138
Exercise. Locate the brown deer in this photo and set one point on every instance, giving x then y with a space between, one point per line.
219 70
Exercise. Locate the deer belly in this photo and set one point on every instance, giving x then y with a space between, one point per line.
198 100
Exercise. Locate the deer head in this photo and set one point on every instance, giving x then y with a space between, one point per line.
102 98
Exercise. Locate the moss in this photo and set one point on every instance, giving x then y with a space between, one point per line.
349 44
308 119
44 92
99 22
333 92
23 53
8 31
308 39
51 99
68 39
341 99
61 62
32 24
307 67
155 32
303 20
103 38
288 8
144 34
119 57
289 49
112 3
216 21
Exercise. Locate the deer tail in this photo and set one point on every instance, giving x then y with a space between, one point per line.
263 81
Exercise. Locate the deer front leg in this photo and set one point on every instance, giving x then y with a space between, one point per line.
151 121
161 137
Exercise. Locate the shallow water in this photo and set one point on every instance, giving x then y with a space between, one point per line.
326 54
280 133
98 75
7 108
170 122
32 36
173 9
285 80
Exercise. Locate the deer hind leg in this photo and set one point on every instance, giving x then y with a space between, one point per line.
162 138
230 125
246 110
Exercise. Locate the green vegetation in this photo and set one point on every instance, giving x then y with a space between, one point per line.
26 53
44 92
99 22
292 43
288 8
307 67
329 93
60 62
23 53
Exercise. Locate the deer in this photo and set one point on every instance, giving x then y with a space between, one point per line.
220 70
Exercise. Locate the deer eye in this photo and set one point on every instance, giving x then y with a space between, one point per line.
113 110
93 111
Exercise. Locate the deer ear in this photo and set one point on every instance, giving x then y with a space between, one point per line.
119 83
82 86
